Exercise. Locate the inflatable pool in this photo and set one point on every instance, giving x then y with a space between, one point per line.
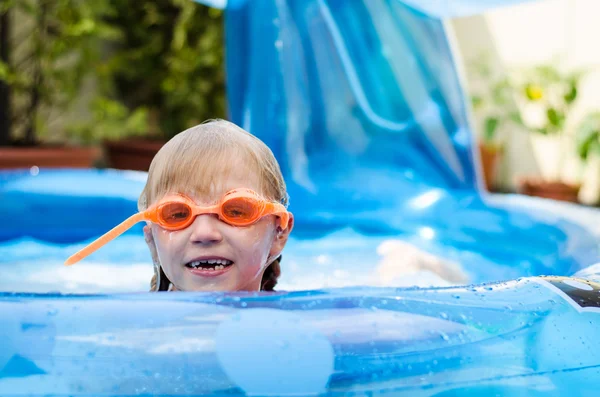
361 103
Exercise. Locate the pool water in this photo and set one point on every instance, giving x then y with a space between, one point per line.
340 259
57 221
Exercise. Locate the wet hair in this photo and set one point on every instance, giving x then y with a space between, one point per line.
197 159
271 275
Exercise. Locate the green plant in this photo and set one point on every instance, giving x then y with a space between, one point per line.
548 96
546 90
110 120
45 59
166 69
492 97
588 136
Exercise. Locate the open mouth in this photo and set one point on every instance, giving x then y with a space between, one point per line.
209 264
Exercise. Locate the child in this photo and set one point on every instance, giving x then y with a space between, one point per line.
215 206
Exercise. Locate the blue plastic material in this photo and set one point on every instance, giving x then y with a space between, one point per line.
524 338
361 103
432 8
458 8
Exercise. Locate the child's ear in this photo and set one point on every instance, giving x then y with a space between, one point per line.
281 237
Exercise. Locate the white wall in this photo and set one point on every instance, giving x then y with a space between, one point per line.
529 34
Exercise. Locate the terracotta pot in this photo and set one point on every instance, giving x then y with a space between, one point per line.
490 157
48 156
550 189
131 154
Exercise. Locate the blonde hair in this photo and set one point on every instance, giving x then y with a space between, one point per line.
195 160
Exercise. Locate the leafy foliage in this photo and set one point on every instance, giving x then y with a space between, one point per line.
167 64
494 100
157 66
552 92
588 136
55 45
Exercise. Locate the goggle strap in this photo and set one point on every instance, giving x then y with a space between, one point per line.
106 238
279 210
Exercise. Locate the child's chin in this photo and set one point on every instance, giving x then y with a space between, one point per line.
209 287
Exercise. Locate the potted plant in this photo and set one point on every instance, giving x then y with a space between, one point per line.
48 49
587 135
495 109
166 70
547 97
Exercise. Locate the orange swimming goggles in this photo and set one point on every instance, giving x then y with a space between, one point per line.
239 207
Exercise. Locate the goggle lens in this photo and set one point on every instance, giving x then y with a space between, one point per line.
175 214
241 210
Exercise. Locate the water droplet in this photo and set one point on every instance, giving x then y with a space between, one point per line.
244 304
35 170
444 336
443 315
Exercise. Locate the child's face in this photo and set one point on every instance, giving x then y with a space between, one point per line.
250 248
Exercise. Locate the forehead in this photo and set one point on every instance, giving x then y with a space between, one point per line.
240 176
208 180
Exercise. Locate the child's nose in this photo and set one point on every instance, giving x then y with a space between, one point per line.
205 229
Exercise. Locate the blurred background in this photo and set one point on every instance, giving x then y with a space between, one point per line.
105 83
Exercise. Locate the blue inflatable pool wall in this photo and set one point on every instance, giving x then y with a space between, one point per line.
361 103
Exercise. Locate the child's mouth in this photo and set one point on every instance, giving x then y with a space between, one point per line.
209 265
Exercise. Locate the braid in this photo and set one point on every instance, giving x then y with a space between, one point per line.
271 274
159 278
153 281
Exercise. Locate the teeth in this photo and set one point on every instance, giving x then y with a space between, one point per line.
219 264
